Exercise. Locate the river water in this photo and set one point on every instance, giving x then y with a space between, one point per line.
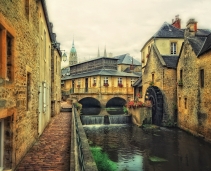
136 149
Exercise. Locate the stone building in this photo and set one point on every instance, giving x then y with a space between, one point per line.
193 78
55 77
158 82
100 79
25 77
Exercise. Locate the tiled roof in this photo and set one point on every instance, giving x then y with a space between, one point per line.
104 72
202 32
138 82
171 61
197 43
126 59
169 31
207 45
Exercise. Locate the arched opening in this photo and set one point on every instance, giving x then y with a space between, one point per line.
90 106
154 94
115 106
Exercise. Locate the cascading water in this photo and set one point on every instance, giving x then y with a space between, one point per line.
92 120
119 119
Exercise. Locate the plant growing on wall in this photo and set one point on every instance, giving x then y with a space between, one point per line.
151 83
180 83
78 86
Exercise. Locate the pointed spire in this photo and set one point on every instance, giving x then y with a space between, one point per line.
73 42
98 54
105 54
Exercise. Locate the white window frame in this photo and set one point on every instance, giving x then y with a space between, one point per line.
105 80
94 80
119 80
173 48
1 143
132 81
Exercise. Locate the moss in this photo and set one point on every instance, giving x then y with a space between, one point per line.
78 106
157 159
102 160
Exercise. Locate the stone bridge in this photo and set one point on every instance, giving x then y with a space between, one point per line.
102 98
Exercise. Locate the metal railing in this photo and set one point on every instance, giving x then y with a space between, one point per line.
79 144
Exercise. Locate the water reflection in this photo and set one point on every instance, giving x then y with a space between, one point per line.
136 149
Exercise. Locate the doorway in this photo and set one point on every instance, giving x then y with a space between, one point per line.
86 85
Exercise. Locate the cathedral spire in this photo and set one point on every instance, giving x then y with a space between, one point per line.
98 54
73 59
105 54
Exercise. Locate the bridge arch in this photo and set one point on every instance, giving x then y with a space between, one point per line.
91 105
117 103
155 95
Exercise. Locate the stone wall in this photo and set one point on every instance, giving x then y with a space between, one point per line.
19 103
165 80
141 115
193 99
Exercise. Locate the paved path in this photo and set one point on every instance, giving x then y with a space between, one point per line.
52 151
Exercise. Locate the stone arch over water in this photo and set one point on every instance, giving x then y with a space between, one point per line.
116 103
155 95
90 105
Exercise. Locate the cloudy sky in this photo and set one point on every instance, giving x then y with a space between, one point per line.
122 26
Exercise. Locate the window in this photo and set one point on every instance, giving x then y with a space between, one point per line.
105 80
94 80
153 78
180 74
173 48
28 94
119 80
179 101
202 77
6 54
132 81
27 8
185 103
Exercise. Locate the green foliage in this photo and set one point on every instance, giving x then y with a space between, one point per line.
78 106
102 160
125 109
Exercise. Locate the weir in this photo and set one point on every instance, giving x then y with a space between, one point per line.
107 119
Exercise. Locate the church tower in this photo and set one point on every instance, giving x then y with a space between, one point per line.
73 59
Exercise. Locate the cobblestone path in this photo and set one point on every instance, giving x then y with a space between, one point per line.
52 151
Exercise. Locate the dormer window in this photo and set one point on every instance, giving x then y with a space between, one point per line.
173 48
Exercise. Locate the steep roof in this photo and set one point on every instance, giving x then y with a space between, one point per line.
104 72
169 31
207 45
127 59
138 82
171 61
201 42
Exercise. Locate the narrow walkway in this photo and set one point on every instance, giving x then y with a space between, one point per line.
52 151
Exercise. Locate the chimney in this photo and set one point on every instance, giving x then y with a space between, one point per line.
192 25
176 22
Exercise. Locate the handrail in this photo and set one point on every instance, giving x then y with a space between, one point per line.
84 160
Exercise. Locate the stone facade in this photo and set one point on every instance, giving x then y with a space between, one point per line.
159 59
25 63
193 92
56 81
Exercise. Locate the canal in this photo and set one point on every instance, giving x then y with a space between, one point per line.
130 148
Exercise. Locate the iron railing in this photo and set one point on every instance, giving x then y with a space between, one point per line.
79 144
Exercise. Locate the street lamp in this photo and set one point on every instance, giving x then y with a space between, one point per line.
64 56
